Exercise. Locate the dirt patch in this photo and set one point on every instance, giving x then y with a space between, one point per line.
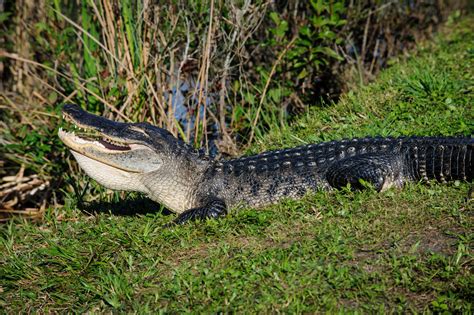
430 240
414 300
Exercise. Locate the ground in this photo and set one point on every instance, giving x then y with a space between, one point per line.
407 250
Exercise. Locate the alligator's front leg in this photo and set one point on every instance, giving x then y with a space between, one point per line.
211 210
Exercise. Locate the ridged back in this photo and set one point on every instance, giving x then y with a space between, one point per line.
320 155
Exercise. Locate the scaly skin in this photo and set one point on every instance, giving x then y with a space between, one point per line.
152 161
384 162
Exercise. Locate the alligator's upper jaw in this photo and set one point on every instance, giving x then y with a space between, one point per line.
108 129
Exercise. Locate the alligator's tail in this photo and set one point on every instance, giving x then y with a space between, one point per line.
443 159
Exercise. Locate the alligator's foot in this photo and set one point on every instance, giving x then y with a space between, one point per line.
213 209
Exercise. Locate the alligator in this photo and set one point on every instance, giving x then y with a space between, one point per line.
144 158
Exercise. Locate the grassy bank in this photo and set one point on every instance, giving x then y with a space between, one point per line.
401 250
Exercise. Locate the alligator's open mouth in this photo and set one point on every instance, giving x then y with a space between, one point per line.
80 137
97 142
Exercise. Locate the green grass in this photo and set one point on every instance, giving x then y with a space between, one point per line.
404 250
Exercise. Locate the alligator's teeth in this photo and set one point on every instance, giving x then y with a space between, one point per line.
81 141
99 144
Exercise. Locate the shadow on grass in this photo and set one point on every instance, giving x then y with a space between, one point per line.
130 207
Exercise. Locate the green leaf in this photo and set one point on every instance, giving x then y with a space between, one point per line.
281 29
305 31
4 16
275 17
331 53
275 94
327 34
319 21
302 74
320 6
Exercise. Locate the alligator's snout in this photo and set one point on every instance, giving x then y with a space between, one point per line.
74 114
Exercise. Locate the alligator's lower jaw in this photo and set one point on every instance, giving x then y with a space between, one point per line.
107 175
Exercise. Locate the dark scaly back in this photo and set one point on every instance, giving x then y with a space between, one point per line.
321 155
267 177
441 158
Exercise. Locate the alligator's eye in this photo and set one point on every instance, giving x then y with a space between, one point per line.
138 129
